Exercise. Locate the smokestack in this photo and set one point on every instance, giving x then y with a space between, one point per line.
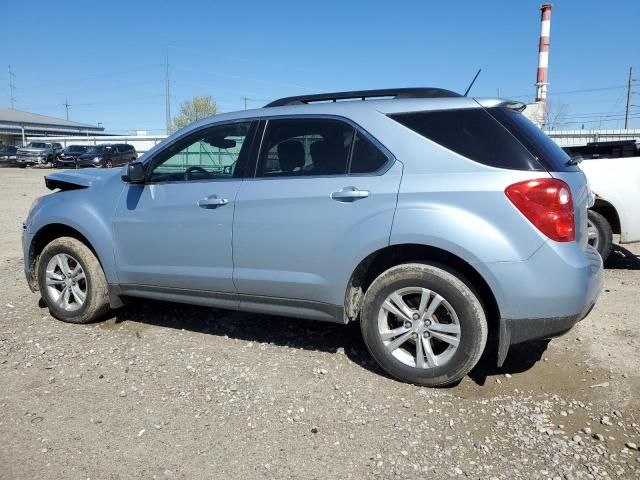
542 81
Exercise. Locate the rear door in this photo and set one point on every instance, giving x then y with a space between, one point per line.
322 196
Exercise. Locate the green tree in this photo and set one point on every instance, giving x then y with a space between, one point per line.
193 110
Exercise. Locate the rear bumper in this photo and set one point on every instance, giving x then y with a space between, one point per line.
522 330
547 294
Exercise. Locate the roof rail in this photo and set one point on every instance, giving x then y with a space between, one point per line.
363 94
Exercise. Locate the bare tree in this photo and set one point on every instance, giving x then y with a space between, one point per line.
556 115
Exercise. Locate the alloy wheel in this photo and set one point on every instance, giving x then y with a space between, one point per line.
66 282
419 327
593 235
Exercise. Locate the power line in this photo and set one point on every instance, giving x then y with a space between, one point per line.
570 92
240 77
86 79
241 59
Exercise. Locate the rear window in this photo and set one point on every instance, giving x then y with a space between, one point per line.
546 151
497 137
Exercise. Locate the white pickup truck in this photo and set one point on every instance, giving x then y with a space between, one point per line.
616 185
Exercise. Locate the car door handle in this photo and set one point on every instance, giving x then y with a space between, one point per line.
212 202
349 194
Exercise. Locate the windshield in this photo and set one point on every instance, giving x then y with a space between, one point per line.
98 149
76 148
37 145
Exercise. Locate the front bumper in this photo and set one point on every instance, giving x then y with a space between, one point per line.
80 164
66 162
32 160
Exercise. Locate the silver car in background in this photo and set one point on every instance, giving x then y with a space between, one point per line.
435 220
36 153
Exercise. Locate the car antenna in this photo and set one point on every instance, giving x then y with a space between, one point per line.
472 82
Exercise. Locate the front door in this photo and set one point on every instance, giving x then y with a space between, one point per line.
175 230
323 197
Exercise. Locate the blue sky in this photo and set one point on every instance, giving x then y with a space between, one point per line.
107 58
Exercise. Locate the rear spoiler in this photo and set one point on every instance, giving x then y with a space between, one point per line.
498 102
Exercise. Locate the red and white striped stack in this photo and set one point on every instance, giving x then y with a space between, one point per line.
543 53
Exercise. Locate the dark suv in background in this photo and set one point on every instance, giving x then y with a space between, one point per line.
107 156
8 155
68 157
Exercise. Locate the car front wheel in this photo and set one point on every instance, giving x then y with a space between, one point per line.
71 281
423 324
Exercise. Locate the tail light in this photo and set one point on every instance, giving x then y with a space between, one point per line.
546 203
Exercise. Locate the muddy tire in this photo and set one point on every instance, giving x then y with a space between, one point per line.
423 324
71 281
600 233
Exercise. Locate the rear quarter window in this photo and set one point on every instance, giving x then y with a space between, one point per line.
547 152
474 134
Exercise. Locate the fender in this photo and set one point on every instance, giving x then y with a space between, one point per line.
90 219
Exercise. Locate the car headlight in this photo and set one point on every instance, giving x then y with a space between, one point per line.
97 159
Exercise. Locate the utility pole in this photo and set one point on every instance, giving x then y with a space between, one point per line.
66 106
168 97
11 87
245 102
626 116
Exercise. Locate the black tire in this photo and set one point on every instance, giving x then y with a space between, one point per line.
604 240
109 164
466 304
96 303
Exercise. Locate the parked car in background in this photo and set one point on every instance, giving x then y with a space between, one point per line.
35 153
615 183
57 149
8 156
107 156
435 220
68 156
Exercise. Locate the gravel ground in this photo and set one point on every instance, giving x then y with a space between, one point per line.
169 391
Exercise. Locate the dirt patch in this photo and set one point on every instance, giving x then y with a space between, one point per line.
171 391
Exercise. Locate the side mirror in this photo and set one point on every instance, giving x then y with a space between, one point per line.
134 173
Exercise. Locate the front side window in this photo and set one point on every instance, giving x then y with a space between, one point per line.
305 147
212 153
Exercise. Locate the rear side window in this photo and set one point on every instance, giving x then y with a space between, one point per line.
305 147
366 157
472 133
546 151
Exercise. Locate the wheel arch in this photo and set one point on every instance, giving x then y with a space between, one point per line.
377 262
45 235
609 212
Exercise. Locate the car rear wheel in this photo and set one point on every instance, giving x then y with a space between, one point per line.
109 164
600 233
423 324
71 281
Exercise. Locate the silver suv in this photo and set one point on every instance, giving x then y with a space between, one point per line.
435 220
